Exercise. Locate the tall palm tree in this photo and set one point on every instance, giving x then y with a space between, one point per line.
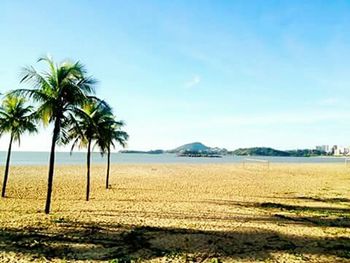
58 91
85 130
109 133
15 118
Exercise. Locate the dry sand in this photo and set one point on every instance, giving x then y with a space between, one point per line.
179 213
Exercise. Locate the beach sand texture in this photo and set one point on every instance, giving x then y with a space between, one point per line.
179 213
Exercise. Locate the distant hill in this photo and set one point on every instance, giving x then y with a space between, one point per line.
306 153
197 147
191 147
266 151
259 151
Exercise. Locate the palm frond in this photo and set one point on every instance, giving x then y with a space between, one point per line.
16 117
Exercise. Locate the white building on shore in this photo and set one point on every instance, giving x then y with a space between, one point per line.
335 150
324 148
341 150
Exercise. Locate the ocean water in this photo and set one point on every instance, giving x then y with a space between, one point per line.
42 158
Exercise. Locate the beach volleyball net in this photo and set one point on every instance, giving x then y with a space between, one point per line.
257 163
347 162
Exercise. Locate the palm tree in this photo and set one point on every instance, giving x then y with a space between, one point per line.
58 91
85 130
15 118
109 133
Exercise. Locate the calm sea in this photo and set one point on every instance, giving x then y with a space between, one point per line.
42 158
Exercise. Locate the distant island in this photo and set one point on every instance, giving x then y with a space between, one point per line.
266 151
195 149
198 149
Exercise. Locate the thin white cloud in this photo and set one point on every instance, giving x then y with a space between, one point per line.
193 82
329 102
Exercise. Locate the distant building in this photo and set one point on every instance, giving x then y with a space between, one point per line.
324 148
334 150
340 150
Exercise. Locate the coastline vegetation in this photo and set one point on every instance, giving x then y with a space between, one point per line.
265 151
198 149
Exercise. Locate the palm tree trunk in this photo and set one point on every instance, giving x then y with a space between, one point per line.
56 131
7 168
108 164
88 172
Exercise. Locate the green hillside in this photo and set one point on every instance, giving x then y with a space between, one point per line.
266 151
259 151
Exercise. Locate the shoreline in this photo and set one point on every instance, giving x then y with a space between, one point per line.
233 164
41 159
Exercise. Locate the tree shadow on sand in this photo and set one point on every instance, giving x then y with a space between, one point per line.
74 240
322 216
87 241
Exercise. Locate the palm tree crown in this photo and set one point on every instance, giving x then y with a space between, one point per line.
15 118
59 91
86 123
109 133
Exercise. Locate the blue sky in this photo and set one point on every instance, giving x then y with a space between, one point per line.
226 73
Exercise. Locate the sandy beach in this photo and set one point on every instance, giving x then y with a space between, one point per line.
174 213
